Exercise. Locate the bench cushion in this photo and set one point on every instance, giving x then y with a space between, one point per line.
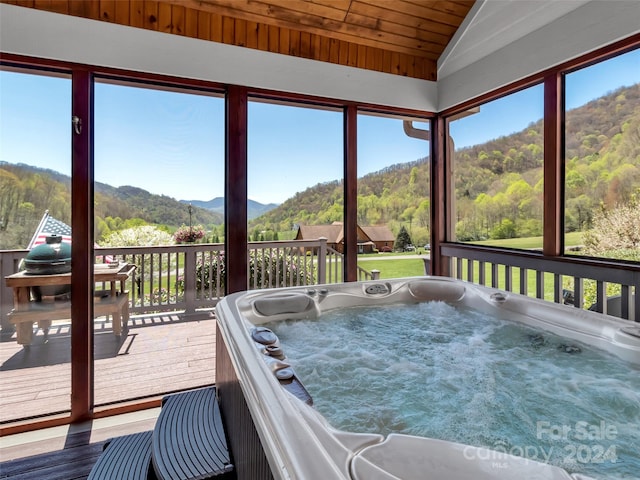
189 441
125 458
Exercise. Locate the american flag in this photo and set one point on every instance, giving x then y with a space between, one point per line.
50 226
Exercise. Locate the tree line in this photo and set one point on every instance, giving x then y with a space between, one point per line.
26 192
498 187
498 184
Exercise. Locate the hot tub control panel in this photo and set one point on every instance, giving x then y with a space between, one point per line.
377 289
273 355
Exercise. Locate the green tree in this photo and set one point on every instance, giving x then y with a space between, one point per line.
506 229
10 196
402 239
408 215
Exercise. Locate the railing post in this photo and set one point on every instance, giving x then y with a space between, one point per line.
189 280
427 265
322 261
9 262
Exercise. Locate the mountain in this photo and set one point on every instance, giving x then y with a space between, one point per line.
27 192
498 184
254 209
383 198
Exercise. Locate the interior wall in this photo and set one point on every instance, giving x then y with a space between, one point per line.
26 31
591 26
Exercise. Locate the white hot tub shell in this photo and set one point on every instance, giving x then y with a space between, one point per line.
274 433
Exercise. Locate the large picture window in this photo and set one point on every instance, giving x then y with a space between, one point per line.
35 201
602 159
497 171
159 206
393 195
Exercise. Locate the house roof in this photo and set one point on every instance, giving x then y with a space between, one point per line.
334 233
379 233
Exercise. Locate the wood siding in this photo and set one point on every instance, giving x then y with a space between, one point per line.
399 37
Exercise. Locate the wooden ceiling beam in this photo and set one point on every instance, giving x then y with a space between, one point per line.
391 15
436 11
436 39
271 14
459 8
401 37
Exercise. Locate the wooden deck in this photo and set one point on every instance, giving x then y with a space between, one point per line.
161 353
68 452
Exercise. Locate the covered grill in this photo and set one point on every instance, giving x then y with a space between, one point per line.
49 258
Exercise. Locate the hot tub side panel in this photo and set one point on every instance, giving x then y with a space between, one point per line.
246 449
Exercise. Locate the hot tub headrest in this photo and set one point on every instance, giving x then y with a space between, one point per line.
280 303
430 290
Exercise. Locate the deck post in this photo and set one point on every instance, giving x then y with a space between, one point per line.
235 213
322 261
9 261
190 280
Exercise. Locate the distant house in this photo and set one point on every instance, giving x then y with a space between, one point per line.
380 235
369 238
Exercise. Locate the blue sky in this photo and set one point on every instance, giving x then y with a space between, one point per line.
173 143
513 113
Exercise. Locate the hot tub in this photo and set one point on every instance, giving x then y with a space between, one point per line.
275 431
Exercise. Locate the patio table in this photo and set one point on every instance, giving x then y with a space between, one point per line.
26 311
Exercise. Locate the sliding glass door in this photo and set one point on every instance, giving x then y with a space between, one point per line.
159 216
35 203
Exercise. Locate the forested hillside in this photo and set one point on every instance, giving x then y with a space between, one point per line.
26 192
499 184
389 196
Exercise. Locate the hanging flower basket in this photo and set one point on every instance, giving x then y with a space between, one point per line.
188 234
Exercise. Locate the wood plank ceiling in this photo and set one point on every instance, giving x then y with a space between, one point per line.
402 37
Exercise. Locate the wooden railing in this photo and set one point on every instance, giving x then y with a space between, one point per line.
192 277
565 278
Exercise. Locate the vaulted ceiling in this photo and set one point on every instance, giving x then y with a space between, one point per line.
402 37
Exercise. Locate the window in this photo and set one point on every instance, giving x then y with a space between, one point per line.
602 159
35 184
393 194
159 171
295 191
496 154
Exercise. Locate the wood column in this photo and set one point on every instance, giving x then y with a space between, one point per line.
553 240
350 267
441 203
235 210
82 371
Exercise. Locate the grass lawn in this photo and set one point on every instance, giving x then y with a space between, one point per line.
395 268
571 239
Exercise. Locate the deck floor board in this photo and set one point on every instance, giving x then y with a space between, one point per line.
160 353
67 453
